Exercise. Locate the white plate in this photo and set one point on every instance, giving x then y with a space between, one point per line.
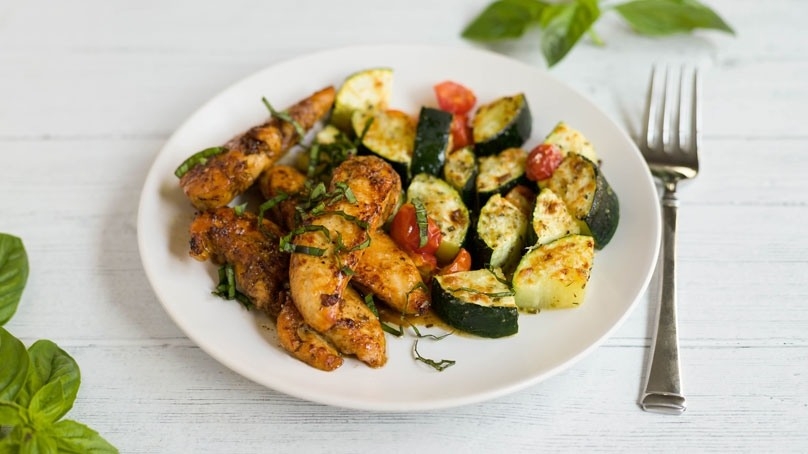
546 343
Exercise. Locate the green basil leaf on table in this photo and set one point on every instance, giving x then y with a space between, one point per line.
11 414
10 441
665 17
563 25
53 381
74 437
49 403
564 22
36 441
13 275
504 19
16 363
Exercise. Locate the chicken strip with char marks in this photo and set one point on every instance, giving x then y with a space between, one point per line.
222 177
317 282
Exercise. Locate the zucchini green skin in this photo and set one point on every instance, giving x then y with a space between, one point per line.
501 124
475 312
433 139
500 235
588 196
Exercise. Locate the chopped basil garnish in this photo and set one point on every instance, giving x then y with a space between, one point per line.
314 160
283 115
227 287
430 336
422 221
385 327
268 205
286 244
198 158
440 366
239 209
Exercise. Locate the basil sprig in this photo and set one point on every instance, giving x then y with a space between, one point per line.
13 275
564 23
38 385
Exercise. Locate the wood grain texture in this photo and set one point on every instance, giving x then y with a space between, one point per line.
91 90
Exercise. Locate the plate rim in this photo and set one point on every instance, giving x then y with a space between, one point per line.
346 401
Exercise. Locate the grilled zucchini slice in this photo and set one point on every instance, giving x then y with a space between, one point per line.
554 275
551 219
570 140
500 173
460 171
588 196
433 139
444 206
500 235
390 135
476 302
369 89
501 124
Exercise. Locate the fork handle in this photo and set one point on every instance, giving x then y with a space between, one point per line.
663 391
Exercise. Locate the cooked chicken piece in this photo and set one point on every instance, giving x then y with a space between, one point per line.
302 342
278 180
221 177
261 269
358 331
317 282
384 269
389 273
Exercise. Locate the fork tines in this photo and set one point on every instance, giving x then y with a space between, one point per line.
677 125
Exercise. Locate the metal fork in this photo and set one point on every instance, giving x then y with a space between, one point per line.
669 143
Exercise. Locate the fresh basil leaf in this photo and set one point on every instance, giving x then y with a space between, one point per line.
534 8
565 26
500 20
666 17
10 441
11 414
16 362
13 275
37 442
51 367
74 437
49 403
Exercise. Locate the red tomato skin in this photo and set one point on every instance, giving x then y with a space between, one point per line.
404 231
461 132
455 98
427 264
461 262
542 161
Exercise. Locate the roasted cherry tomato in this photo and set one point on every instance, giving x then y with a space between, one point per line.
461 132
405 232
461 262
426 264
454 98
542 161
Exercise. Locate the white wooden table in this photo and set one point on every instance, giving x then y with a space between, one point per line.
90 90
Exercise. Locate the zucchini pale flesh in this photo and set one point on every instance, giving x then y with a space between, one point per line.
501 124
588 196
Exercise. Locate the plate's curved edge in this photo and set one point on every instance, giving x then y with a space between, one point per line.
152 177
